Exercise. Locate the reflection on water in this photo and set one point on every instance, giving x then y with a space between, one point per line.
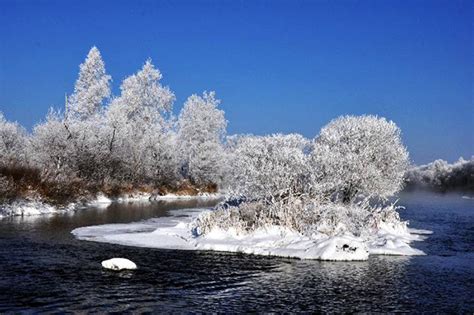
60 225
43 268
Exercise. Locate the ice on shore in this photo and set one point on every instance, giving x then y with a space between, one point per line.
175 232
101 201
37 207
31 207
118 264
146 197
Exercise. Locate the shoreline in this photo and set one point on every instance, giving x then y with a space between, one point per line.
25 207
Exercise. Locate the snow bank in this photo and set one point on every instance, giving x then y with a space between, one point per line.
188 197
134 197
175 232
118 264
278 241
395 239
31 207
146 197
101 201
34 207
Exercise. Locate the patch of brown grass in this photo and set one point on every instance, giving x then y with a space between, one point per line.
19 181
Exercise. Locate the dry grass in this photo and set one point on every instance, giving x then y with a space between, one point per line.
17 181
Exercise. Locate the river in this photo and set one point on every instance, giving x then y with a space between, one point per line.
43 268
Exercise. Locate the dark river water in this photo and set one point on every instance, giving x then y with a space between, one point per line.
43 268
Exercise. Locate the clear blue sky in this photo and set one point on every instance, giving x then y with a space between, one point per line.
278 66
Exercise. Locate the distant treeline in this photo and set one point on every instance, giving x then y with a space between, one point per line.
442 176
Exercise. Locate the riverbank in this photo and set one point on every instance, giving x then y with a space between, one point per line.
25 207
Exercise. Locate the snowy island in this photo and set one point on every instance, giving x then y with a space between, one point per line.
176 232
324 199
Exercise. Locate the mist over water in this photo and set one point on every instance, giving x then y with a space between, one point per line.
44 268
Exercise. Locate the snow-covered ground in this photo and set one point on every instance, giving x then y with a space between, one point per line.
32 207
35 207
175 232
145 197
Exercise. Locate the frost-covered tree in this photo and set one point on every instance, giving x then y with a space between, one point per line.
359 155
146 156
201 128
271 167
13 142
143 100
66 149
442 176
50 150
76 145
89 146
91 88
267 183
140 119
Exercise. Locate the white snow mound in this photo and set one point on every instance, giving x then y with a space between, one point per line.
101 201
119 264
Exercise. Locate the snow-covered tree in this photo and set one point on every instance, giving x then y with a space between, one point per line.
140 119
440 175
89 146
13 142
201 128
50 150
143 100
271 167
146 156
359 155
91 88
65 149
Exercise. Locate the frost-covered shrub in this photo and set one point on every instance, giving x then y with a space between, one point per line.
201 129
307 216
272 167
280 183
13 142
361 155
440 175
284 183
239 218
